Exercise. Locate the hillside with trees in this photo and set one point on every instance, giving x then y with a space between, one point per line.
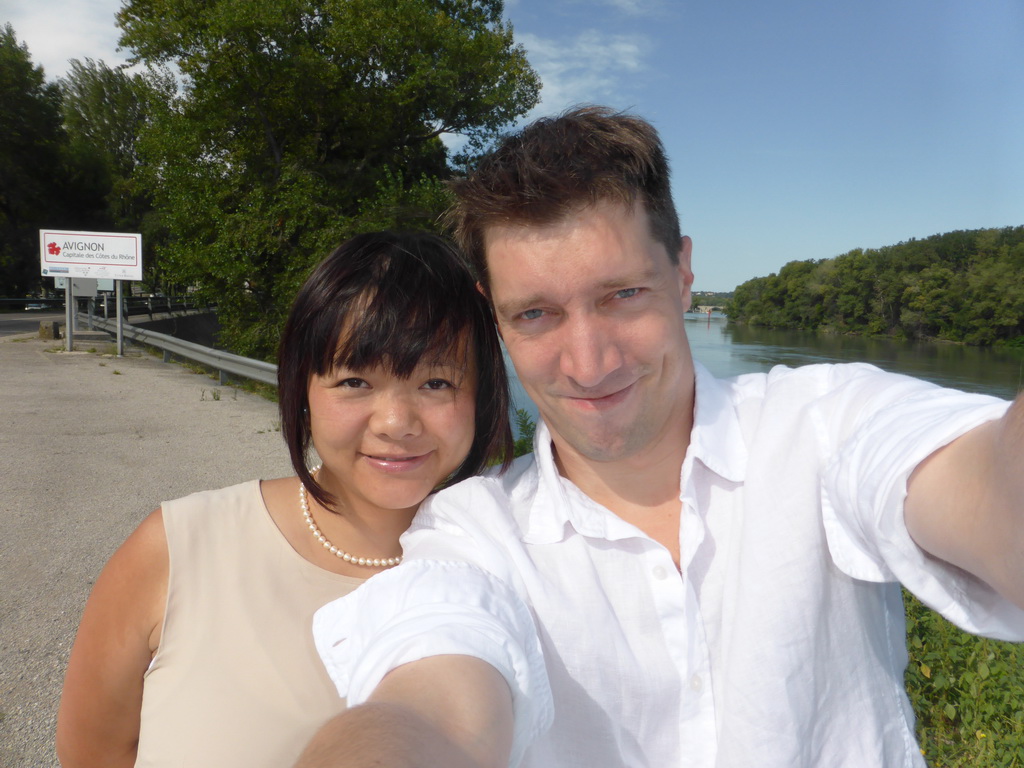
963 286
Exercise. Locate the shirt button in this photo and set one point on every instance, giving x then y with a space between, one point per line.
659 573
696 683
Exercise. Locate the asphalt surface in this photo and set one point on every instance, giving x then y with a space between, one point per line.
90 444
12 323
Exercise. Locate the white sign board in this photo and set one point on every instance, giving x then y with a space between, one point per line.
109 255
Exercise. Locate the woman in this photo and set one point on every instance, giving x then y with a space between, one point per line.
195 647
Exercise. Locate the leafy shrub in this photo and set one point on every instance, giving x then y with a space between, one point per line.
967 692
525 428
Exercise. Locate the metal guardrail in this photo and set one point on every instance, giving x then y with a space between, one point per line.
142 305
104 304
224 363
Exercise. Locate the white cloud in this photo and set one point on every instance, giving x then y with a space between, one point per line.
591 68
635 7
629 7
588 69
59 30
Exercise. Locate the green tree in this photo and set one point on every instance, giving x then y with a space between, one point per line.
930 299
31 163
300 122
104 112
994 300
105 108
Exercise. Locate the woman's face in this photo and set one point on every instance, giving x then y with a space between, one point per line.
387 442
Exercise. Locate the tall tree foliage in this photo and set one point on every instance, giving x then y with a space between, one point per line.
66 156
961 286
300 122
105 109
31 163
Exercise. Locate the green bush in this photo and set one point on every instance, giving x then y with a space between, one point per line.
526 427
967 692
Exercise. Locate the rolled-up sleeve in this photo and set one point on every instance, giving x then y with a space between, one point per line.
429 608
863 493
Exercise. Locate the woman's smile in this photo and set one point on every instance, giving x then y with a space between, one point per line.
392 463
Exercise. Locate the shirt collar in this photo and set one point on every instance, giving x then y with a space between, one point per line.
550 508
716 441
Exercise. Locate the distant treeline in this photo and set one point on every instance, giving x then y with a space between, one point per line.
711 298
965 286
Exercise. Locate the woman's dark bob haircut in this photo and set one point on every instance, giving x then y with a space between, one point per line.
388 299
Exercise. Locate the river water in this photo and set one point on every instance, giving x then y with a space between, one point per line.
730 350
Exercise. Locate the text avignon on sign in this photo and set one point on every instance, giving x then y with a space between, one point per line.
108 255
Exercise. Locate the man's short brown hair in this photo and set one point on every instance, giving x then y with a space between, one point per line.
556 166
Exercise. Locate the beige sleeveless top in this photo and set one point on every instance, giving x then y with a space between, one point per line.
236 680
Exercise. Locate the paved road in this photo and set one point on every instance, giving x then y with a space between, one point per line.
12 323
88 446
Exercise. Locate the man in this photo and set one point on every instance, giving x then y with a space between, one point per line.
688 571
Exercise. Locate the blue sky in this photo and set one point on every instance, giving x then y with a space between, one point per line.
796 129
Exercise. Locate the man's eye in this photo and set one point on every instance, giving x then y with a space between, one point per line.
532 314
627 293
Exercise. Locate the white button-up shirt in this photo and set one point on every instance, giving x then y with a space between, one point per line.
780 642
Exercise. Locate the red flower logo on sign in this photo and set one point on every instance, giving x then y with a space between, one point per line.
53 248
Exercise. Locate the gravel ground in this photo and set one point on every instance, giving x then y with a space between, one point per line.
90 444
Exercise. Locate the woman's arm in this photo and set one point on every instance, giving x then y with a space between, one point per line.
100 707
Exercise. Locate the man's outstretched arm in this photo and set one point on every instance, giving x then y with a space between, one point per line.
452 711
965 503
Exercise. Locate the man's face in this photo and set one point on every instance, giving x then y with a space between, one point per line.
591 311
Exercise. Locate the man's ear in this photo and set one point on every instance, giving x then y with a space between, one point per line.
494 317
685 272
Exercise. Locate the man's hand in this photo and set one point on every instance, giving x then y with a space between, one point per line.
451 711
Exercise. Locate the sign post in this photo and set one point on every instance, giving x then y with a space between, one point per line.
107 255
120 318
69 315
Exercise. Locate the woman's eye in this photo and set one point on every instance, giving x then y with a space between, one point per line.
438 384
627 293
353 383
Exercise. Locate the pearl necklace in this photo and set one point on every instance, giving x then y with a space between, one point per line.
375 562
